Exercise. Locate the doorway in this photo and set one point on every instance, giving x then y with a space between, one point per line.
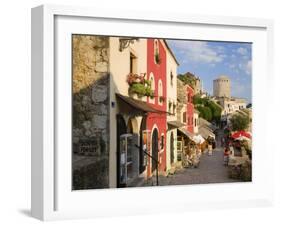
154 149
172 148
141 152
121 129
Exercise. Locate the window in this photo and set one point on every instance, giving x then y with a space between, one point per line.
160 93
191 121
174 108
171 78
133 64
170 105
184 117
188 121
151 78
162 142
156 52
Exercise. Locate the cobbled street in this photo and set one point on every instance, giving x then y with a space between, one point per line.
210 170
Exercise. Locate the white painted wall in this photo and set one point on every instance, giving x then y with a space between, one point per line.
120 63
230 106
168 150
171 66
119 69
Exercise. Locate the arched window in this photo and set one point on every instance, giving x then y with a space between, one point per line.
162 141
184 117
171 78
160 92
152 81
156 52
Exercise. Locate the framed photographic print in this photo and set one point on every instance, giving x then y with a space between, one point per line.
136 113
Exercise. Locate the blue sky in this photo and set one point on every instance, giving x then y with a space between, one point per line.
208 60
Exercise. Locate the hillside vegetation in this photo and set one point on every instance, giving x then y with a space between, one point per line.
208 109
188 78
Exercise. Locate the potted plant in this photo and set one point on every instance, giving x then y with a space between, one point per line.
139 85
137 88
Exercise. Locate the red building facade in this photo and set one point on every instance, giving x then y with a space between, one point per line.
156 123
189 109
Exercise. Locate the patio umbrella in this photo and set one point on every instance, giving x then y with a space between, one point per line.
243 138
241 134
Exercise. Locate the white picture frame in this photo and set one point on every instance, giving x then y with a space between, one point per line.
49 199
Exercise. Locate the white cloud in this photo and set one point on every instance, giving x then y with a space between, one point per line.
199 51
244 67
220 49
231 66
242 51
249 67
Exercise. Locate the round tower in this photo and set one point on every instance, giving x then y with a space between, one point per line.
221 87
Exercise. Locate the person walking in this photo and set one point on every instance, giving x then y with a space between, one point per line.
222 141
226 156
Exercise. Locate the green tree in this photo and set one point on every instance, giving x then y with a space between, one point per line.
239 122
207 108
205 112
197 99
216 111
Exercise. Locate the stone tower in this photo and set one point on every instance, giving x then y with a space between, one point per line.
221 87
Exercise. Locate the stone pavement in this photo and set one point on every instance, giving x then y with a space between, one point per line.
210 170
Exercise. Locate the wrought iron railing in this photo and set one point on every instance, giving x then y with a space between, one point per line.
156 162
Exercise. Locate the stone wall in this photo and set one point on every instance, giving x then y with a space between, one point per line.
182 99
181 92
90 111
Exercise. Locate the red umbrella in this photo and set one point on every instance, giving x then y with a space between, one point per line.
240 134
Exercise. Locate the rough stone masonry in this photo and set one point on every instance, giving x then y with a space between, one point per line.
90 117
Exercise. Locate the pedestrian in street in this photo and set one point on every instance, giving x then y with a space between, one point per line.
231 149
226 156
